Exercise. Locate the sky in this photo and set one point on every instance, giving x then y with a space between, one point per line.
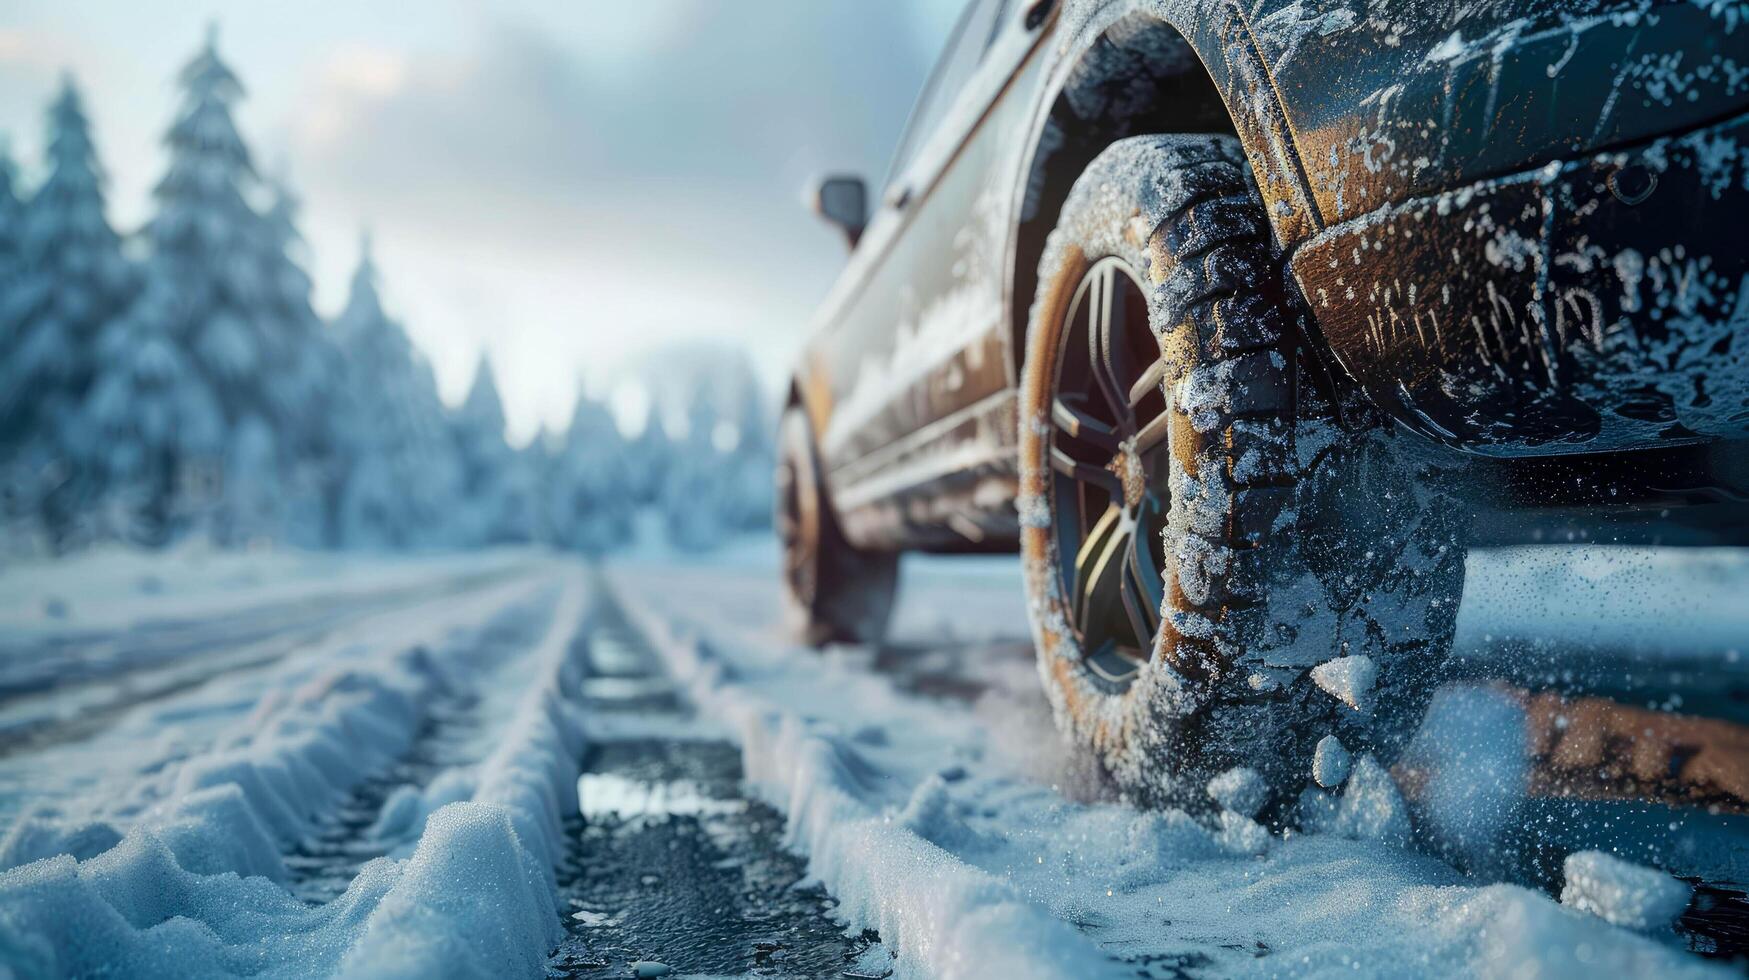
575 189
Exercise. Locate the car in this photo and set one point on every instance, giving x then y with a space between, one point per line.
1241 323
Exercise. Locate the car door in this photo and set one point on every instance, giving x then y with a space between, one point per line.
915 348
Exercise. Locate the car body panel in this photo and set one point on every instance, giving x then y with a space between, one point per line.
1543 312
1349 112
915 379
1394 100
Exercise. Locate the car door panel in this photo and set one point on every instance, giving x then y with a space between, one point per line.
916 351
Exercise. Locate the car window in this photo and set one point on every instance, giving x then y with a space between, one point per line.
965 48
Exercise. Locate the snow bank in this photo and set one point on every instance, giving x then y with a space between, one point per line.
478 897
295 757
190 889
943 917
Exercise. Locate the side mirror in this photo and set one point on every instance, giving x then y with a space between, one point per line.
843 201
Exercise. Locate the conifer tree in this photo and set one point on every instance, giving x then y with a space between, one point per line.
588 507
496 483
697 507
207 241
157 433
11 230
74 278
71 280
299 385
401 476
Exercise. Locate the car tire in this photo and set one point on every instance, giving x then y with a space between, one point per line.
1276 540
834 592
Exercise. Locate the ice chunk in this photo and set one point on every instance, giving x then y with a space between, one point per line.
1370 807
1239 789
1316 810
1158 842
1348 679
1621 892
874 961
1241 834
1330 762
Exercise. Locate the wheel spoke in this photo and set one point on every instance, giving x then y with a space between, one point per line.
1080 426
1090 562
1144 580
1105 304
1108 415
1135 608
1148 383
1086 473
1153 434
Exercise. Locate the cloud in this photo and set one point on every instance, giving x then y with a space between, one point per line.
567 209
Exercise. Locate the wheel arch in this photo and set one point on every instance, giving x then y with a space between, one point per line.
1141 68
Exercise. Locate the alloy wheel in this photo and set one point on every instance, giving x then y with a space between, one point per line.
1110 466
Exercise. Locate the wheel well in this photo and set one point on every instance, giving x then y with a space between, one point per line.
1139 77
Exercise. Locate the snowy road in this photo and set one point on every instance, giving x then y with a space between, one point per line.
517 766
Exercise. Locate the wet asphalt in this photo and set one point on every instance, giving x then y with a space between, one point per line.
670 861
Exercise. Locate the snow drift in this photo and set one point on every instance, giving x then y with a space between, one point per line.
191 885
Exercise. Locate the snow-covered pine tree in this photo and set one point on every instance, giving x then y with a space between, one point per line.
488 513
19 521
648 455
401 477
516 514
11 228
153 432
697 507
535 473
196 338
589 509
751 459
304 364
207 241
73 279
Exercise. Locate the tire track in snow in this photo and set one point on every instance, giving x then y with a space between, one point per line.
39 707
941 916
125 767
930 820
669 860
324 864
474 897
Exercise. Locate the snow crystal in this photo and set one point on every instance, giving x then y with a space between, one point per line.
1330 762
1240 789
1348 679
1622 893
